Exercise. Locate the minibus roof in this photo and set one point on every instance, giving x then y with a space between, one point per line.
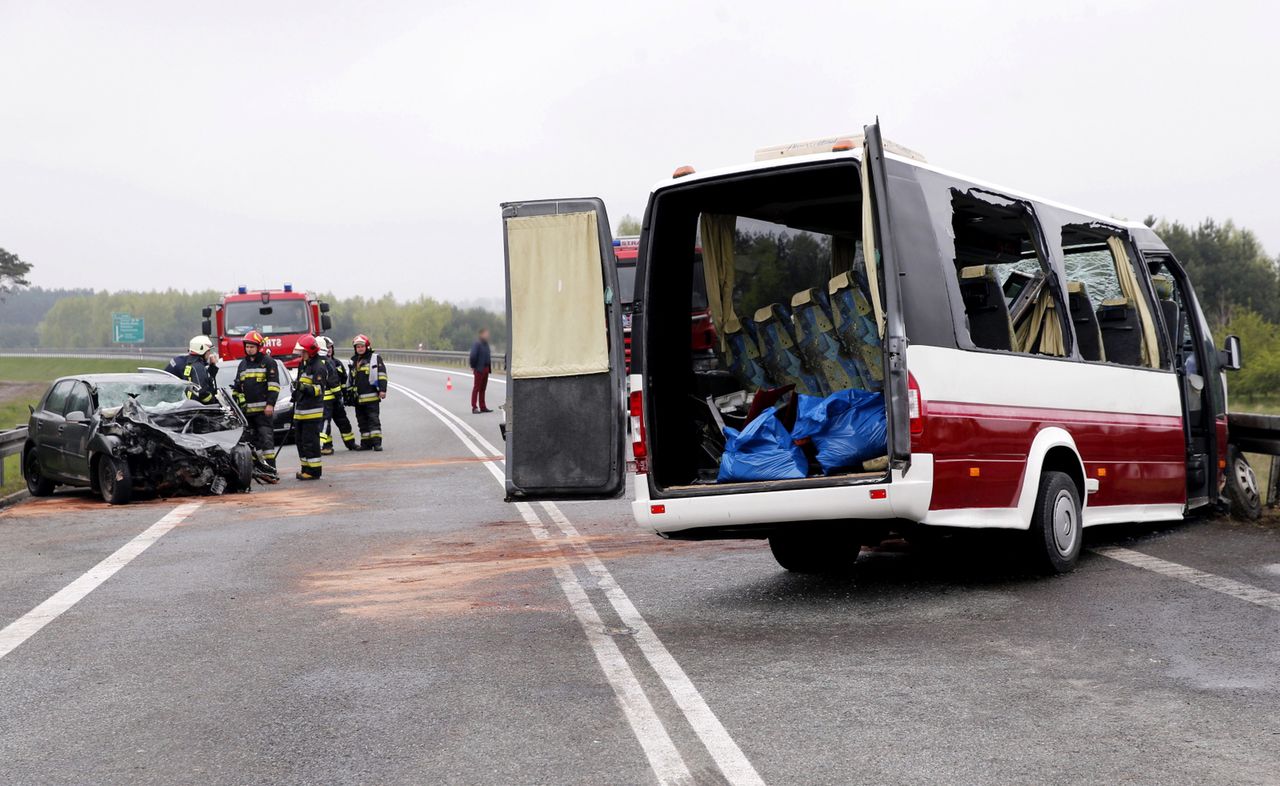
856 155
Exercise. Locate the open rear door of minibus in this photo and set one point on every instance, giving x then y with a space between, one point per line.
566 409
896 384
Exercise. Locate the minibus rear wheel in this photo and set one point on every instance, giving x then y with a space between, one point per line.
815 551
1242 486
1056 534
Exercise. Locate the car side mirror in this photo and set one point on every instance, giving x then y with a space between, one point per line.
1232 359
77 417
326 322
206 312
206 327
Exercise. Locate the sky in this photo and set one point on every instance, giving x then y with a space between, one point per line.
364 148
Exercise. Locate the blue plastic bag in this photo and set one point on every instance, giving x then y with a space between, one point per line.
848 427
761 451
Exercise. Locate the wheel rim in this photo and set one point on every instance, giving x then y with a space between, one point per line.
107 477
1246 481
1066 528
33 471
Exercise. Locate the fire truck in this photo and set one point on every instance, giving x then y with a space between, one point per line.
703 335
281 315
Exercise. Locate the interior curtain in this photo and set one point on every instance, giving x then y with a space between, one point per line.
1043 326
717 268
870 255
843 252
1129 287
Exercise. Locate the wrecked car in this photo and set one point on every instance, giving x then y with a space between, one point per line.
121 433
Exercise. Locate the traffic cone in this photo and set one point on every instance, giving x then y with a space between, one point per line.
448 383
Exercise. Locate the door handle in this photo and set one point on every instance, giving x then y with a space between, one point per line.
61 428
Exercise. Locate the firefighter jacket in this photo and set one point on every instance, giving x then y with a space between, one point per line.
369 376
308 390
195 371
337 379
257 383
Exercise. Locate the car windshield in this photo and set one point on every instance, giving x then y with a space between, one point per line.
278 316
151 395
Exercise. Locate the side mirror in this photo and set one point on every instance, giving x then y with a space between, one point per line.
206 312
326 322
1232 359
324 307
77 417
206 327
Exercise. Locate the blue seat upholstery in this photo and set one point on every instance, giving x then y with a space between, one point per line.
855 326
779 353
822 350
742 356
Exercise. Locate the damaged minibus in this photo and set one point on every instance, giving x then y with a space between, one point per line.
898 348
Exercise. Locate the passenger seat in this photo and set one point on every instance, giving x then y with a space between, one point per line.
779 354
819 345
855 325
990 325
1121 336
1088 334
1169 308
742 356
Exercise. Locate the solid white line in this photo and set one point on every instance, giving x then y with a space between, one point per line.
664 758
30 623
732 762
460 372
1236 589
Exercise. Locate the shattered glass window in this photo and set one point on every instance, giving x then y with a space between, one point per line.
150 394
278 316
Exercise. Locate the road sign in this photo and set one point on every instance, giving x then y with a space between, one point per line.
126 329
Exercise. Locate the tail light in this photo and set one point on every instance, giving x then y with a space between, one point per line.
915 405
639 450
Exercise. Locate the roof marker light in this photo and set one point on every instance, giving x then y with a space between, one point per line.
288 287
842 145
242 290
616 242
681 171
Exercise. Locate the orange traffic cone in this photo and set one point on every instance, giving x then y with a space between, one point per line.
448 383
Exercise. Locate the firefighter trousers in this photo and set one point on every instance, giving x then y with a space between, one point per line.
262 436
369 419
336 412
306 433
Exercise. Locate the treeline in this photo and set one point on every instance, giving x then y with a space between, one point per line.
64 318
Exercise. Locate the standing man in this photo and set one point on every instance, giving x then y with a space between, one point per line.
257 386
369 376
194 368
308 406
334 408
481 363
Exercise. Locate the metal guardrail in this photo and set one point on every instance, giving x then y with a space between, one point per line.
10 444
442 357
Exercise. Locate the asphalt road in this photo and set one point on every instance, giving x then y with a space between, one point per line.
399 623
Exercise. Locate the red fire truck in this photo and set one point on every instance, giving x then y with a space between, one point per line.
703 336
282 315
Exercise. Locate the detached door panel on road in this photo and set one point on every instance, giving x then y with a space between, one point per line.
565 408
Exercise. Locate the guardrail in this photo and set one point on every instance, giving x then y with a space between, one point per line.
11 442
440 357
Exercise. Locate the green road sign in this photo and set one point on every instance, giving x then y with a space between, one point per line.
126 329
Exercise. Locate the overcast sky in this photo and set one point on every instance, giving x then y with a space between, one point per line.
363 148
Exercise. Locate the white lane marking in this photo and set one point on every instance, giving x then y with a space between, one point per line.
30 623
732 762
1236 589
461 372
664 758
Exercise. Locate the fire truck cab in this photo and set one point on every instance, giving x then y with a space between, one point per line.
281 315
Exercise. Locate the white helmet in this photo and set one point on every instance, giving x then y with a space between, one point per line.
327 345
200 345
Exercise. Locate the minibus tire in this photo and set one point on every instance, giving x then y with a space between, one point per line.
1242 486
815 552
1056 533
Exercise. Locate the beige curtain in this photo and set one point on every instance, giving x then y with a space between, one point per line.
869 255
558 324
843 251
717 268
1132 293
1042 325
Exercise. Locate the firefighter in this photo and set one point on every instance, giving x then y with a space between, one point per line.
194 368
369 377
257 386
308 406
334 410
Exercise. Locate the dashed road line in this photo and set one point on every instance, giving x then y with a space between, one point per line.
30 623
1236 589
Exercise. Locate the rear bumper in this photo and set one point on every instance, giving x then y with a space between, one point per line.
904 497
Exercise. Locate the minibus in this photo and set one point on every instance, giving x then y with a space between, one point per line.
1032 366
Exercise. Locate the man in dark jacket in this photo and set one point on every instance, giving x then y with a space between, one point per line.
194 368
369 378
481 363
257 386
308 406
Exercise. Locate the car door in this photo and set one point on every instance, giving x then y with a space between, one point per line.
48 422
565 409
77 417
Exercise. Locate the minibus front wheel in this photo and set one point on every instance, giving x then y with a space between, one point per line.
1056 534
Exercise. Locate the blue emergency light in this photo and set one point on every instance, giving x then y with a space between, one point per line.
288 287
242 290
616 242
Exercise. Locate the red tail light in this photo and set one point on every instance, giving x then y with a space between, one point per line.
915 405
639 450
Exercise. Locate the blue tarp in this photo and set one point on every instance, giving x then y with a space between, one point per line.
762 451
847 427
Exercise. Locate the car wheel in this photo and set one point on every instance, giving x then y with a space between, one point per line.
115 481
242 461
37 484
1056 533
1242 486
810 551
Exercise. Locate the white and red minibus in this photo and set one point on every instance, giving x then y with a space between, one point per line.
1042 368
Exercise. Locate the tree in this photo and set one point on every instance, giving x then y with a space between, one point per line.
13 272
628 225
1228 266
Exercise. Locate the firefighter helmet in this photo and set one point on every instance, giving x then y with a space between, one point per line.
308 345
254 337
199 345
328 344
362 339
